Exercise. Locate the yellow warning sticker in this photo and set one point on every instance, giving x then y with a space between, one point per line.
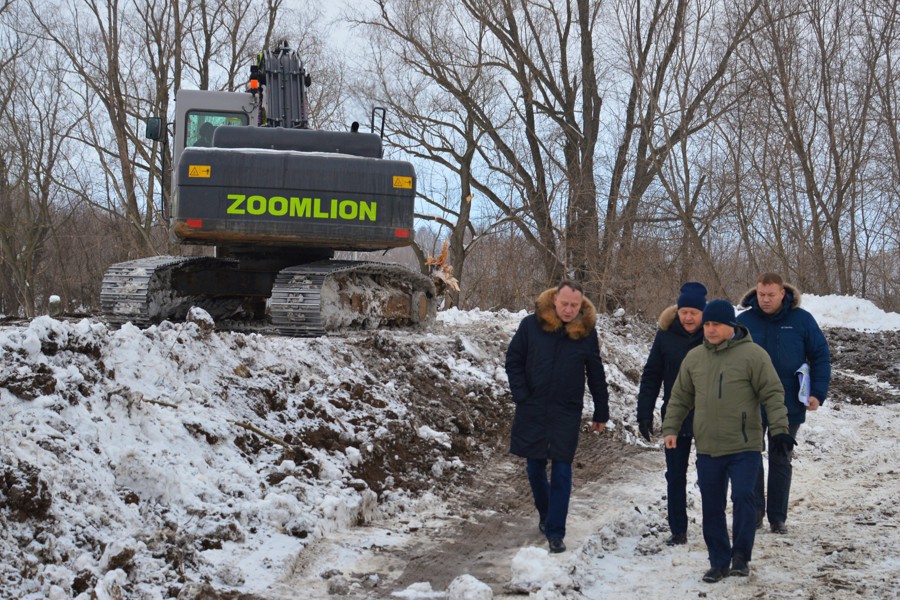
204 171
402 183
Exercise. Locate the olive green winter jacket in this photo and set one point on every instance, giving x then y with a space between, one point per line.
725 386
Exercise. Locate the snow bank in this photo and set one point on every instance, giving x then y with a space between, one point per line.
177 452
534 570
849 312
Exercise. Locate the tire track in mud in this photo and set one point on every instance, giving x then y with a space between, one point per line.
499 517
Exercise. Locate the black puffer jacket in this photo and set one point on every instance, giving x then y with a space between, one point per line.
670 346
547 362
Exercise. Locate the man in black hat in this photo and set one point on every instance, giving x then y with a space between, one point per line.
725 381
679 331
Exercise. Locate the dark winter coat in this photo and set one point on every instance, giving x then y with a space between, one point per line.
725 385
670 346
791 337
547 362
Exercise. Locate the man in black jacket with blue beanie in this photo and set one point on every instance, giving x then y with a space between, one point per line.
680 330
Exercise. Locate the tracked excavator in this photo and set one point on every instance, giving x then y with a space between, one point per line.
276 200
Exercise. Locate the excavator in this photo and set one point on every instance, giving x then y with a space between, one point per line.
276 199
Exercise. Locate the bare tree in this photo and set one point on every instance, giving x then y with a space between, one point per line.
34 124
540 117
522 74
107 68
882 24
548 52
425 125
688 41
814 60
223 37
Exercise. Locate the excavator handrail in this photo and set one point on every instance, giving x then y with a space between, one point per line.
383 111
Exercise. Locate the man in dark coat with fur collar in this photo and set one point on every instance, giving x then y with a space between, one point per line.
548 359
794 341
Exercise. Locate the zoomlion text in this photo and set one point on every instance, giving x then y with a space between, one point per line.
310 208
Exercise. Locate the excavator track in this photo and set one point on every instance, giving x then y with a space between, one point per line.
339 295
308 300
142 291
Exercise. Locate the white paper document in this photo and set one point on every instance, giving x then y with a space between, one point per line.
803 376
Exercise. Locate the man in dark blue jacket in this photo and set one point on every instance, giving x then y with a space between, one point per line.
679 331
548 358
798 349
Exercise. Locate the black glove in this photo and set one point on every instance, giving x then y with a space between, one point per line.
783 443
646 429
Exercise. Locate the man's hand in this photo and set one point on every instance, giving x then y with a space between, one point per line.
814 404
783 443
598 427
671 441
646 429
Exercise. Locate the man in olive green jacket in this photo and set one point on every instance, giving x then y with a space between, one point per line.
725 381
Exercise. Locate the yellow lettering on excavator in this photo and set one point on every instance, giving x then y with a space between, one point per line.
348 209
318 214
368 211
235 208
304 208
256 205
301 207
278 206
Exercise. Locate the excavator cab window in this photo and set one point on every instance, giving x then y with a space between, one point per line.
200 125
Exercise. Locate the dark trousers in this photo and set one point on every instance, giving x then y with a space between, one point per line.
677 459
780 472
714 474
551 498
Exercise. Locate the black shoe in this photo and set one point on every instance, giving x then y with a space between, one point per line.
542 524
778 527
759 518
715 574
677 539
739 566
556 545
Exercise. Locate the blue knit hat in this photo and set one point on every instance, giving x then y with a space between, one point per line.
719 311
693 295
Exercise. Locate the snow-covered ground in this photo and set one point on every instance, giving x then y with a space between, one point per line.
181 462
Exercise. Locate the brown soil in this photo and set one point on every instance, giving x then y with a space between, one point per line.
858 358
498 516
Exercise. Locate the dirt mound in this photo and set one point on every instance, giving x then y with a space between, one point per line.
865 366
24 492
